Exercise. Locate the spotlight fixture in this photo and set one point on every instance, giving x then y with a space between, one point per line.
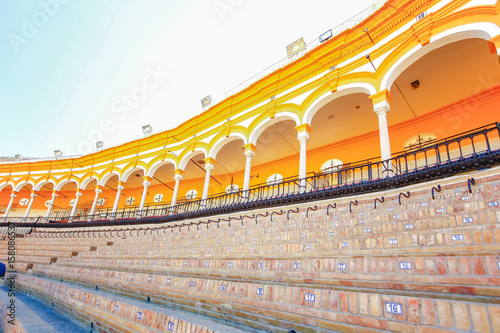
415 84
206 102
325 36
57 153
295 47
18 156
147 130
99 145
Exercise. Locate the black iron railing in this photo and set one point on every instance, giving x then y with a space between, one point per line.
472 150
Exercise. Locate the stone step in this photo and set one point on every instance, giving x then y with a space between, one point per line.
31 316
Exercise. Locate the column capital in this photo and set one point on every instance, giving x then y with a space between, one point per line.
78 194
209 166
494 44
303 128
34 193
178 177
120 187
303 132
179 172
209 160
147 179
382 109
381 102
383 95
249 153
303 137
146 183
13 194
249 147
121 183
54 193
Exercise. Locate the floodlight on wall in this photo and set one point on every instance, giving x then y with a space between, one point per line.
57 153
325 36
99 145
206 102
295 47
147 130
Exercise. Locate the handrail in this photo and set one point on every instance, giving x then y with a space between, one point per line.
469 182
330 205
291 210
406 195
437 188
307 211
472 151
355 202
381 200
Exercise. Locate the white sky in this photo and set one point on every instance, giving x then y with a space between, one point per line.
63 85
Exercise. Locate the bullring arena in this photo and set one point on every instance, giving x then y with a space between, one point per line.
353 188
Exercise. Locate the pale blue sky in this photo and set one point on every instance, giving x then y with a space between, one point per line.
67 66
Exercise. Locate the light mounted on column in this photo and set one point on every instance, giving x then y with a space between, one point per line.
99 145
147 130
57 153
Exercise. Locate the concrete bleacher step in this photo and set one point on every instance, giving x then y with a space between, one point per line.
31 316
206 298
105 312
434 257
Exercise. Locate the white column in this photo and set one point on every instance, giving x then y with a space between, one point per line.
381 107
73 210
208 167
178 179
303 138
30 204
117 200
94 204
49 209
11 202
146 184
248 166
385 144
